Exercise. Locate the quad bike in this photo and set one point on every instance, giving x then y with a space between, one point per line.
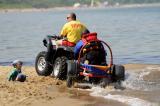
57 57
98 73
63 65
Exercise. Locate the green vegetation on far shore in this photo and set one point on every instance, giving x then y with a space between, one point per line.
4 4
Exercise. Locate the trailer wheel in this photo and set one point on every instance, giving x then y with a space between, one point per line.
69 82
118 72
105 82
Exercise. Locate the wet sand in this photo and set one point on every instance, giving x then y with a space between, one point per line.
36 91
40 91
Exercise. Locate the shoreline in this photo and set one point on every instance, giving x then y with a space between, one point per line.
73 8
37 90
40 90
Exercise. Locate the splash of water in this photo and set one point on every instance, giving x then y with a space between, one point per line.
134 80
129 100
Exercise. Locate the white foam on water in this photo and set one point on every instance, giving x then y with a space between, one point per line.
131 101
134 80
143 73
153 68
101 91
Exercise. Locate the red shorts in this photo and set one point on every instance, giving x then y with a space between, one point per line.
67 43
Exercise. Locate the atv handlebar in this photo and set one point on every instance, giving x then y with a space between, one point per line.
48 38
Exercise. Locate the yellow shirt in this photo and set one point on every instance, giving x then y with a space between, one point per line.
73 31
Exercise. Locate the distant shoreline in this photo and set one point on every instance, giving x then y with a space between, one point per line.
73 8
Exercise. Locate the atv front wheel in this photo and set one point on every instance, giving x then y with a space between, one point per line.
60 68
41 65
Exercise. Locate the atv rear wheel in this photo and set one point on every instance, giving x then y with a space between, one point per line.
42 66
60 68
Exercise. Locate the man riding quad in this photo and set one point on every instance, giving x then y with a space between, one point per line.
72 32
87 59
59 49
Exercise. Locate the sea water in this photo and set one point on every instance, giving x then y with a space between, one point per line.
132 33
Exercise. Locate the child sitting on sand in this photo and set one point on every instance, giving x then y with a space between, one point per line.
16 74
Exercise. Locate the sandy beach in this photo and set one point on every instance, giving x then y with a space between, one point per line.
39 90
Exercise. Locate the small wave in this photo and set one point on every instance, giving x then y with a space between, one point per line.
98 91
5 63
131 101
135 80
26 63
